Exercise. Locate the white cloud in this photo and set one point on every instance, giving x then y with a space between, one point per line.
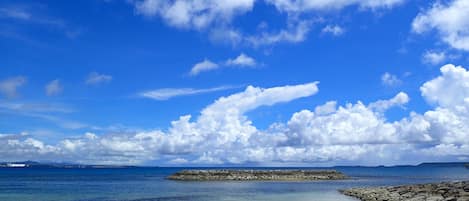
48 112
220 126
206 65
193 14
217 16
327 108
449 20
335 30
18 107
9 86
15 13
203 66
95 78
434 57
294 33
355 133
450 89
324 5
389 79
168 93
242 60
53 88
382 105
178 161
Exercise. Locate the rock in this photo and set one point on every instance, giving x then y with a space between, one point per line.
445 191
257 175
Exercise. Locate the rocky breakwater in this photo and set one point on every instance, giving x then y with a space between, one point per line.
257 175
445 191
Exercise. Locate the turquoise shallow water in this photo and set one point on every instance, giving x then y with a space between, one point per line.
149 184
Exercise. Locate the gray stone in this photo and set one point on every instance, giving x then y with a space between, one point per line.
256 175
445 191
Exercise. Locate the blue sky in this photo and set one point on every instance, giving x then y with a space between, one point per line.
94 76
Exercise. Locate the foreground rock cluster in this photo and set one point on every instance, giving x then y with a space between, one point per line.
446 191
257 175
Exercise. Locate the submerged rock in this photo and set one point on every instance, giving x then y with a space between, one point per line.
445 191
257 175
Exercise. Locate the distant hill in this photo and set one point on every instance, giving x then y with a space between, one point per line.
445 164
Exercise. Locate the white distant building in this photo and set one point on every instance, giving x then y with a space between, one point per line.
16 165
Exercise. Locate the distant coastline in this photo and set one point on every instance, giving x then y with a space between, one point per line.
34 164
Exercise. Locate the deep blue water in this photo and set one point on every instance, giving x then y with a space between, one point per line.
149 184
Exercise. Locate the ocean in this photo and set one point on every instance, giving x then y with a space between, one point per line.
149 184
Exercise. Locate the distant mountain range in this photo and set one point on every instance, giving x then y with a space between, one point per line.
34 164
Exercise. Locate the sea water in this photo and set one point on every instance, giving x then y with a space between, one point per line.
149 184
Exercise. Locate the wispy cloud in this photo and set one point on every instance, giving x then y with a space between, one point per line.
95 78
35 107
335 30
50 112
15 13
390 80
61 122
433 57
168 93
54 88
9 86
295 32
33 13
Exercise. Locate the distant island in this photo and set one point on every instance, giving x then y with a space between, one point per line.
257 175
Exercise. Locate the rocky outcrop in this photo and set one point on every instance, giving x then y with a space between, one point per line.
446 191
257 175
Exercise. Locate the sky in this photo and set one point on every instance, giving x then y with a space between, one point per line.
234 82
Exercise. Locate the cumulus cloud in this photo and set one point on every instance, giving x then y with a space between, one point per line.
450 89
9 86
53 88
168 93
203 66
328 134
95 78
220 125
389 79
335 30
449 20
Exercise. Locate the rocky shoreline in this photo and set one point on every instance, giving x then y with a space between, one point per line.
445 191
257 175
